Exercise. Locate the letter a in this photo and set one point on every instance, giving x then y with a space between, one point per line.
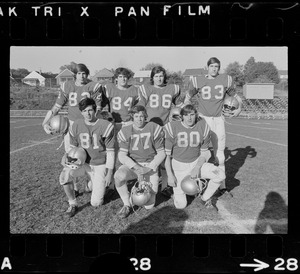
6 263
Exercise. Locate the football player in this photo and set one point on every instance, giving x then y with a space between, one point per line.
121 96
70 94
212 89
158 98
141 152
96 137
187 143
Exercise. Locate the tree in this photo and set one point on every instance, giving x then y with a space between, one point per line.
19 73
235 70
268 70
175 78
150 66
70 67
248 70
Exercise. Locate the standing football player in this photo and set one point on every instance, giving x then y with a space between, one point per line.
158 98
119 97
212 89
70 94
141 152
187 143
96 137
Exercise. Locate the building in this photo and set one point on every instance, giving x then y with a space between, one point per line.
258 90
64 76
141 76
283 74
34 79
103 75
189 73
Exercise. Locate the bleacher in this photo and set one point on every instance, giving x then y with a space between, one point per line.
276 108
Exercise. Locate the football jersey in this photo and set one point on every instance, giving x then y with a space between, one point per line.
211 93
120 101
158 101
72 94
142 144
185 143
96 138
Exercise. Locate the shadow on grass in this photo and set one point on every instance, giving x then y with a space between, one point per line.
273 216
233 163
167 219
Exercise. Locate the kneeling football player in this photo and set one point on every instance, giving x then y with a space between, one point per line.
186 146
96 137
141 152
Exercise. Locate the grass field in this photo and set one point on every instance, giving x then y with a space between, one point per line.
256 169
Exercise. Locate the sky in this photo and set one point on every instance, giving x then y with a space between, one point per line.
174 59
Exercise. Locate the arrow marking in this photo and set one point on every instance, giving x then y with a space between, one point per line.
259 266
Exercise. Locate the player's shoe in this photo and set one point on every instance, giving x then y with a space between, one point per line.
209 205
124 212
77 193
167 192
72 210
223 194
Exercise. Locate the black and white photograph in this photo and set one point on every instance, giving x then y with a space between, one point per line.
148 140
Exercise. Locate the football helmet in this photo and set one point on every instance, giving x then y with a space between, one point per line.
193 186
76 157
141 194
59 124
106 116
175 114
230 104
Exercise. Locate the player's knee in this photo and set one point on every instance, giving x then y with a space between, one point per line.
219 175
120 177
180 201
97 203
65 176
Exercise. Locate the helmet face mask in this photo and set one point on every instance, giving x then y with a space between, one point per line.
141 194
230 104
59 124
76 157
193 186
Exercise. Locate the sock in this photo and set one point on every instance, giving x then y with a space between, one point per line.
222 185
73 202
164 178
75 182
210 190
124 194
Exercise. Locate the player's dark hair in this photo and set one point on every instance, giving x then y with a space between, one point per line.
136 109
188 109
80 67
213 60
156 70
122 71
84 103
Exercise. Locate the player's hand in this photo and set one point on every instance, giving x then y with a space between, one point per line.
236 112
108 177
47 129
141 170
172 180
64 160
195 173
227 114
